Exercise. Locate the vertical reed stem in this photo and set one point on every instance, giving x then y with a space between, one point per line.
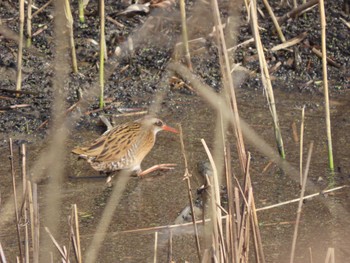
184 34
102 51
29 23
325 84
15 200
69 17
81 11
295 235
20 45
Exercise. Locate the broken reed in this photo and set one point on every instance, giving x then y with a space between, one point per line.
27 234
81 11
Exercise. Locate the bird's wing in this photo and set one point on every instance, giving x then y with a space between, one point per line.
93 150
118 141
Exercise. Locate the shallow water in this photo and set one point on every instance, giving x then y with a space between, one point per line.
158 199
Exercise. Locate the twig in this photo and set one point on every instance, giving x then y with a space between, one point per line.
42 8
296 11
329 60
115 22
345 22
291 42
19 91
63 254
12 107
250 40
274 20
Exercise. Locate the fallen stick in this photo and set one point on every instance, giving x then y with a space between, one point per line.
291 42
296 11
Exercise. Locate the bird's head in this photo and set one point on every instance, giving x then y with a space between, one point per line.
156 125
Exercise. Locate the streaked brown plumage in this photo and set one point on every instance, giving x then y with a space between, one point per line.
123 147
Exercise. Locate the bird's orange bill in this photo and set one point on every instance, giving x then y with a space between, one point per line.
168 128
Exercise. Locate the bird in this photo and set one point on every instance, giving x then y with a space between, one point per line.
124 146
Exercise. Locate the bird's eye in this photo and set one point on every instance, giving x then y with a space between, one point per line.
158 123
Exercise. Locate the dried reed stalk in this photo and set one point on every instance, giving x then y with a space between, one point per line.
20 46
216 215
77 247
29 23
2 255
266 81
41 8
170 247
102 52
330 257
231 231
25 201
325 84
155 247
187 177
34 217
274 20
185 35
306 172
15 199
228 82
305 198
68 13
58 247
296 11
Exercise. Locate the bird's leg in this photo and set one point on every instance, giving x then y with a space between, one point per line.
164 166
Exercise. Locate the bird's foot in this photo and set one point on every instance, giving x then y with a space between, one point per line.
163 166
